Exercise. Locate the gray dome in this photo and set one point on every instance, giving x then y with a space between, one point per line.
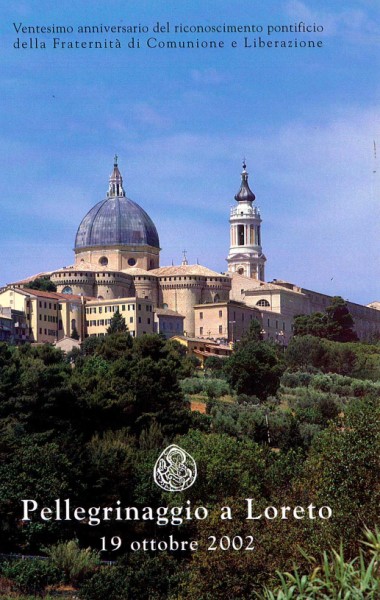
116 221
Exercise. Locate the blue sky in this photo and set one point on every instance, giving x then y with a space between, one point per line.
181 121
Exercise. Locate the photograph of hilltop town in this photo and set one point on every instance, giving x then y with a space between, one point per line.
189 302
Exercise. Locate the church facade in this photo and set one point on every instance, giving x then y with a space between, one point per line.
117 266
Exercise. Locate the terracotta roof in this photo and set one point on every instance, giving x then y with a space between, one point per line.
53 295
185 270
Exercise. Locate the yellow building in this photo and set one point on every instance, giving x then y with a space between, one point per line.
137 313
50 316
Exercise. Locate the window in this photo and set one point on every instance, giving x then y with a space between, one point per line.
100 309
262 302
131 262
220 313
240 232
103 260
131 319
201 331
123 307
220 328
148 321
66 290
139 319
201 315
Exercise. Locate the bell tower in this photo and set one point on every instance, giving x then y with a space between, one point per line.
245 256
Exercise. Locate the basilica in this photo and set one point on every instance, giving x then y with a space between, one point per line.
117 267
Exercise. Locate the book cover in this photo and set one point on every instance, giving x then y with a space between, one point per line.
189 300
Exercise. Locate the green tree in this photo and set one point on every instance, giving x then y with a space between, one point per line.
335 324
253 334
74 334
117 324
42 283
314 324
254 369
340 324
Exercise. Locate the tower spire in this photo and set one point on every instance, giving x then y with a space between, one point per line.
245 193
115 188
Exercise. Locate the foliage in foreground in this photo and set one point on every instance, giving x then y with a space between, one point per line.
72 561
30 576
334 577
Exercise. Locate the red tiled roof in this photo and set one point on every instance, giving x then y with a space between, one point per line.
54 295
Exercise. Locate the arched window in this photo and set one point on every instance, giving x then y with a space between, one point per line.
262 303
216 298
67 290
103 260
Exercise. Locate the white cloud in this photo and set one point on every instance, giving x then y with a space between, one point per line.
148 115
209 76
352 24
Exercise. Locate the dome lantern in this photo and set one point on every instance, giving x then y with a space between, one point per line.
116 182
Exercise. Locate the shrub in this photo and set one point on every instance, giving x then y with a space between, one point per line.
192 385
74 562
297 379
215 388
31 576
109 583
245 399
